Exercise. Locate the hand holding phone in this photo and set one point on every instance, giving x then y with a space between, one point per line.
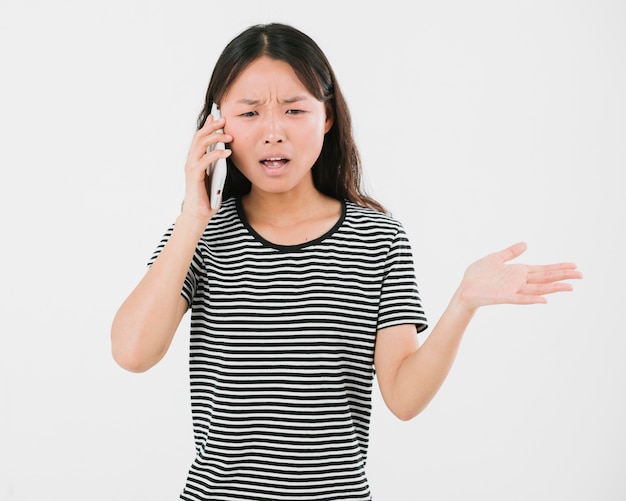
217 170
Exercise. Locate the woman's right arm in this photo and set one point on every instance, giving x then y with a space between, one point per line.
145 324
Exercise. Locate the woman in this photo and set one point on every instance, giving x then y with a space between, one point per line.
299 285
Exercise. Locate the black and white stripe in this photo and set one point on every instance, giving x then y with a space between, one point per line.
281 354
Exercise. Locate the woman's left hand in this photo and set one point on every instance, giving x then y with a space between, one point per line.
491 280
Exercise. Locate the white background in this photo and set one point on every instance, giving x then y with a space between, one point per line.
480 124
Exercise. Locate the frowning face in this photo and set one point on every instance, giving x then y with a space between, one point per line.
277 126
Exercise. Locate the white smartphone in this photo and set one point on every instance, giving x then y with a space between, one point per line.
217 170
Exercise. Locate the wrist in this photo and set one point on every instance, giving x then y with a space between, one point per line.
462 304
191 223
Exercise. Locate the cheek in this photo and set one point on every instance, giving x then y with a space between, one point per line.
241 152
318 129
237 159
240 143
314 136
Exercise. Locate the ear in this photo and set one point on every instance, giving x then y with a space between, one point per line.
330 118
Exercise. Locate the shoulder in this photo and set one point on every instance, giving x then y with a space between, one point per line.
369 230
367 219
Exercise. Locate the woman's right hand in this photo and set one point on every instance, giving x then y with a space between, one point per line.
146 322
196 203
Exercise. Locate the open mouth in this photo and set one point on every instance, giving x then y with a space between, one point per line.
274 162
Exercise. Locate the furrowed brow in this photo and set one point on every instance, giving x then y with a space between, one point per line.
258 102
249 101
294 99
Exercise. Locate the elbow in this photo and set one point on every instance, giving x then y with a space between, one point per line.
128 354
128 358
405 414
405 409
129 361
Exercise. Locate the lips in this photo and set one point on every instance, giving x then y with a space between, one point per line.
274 162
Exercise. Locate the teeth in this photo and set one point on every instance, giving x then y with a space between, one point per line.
274 162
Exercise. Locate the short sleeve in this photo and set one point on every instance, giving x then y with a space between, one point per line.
191 280
400 301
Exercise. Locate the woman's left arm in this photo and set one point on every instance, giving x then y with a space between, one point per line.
410 375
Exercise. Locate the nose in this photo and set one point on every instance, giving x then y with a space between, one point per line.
273 138
273 128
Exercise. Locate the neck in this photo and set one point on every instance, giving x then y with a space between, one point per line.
289 219
283 208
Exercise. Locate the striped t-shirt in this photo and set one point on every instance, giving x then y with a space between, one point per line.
281 354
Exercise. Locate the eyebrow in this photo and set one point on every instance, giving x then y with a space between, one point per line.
287 100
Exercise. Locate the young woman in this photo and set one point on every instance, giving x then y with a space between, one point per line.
299 286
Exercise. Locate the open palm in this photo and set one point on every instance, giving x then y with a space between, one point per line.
491 280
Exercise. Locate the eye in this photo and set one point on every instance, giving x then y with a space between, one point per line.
248 114
294 112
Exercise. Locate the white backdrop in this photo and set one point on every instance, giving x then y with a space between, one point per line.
480 124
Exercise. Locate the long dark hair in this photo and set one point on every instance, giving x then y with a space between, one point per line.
337 171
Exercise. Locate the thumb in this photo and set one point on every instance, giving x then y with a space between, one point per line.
511 252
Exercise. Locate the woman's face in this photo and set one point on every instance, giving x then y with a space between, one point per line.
277 126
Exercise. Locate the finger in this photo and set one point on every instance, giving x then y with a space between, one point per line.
211 126
213 137
209 118
207 122
552 275
551 267
543 289
524 299
198 170
212 155
217 137
203 140
511 252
